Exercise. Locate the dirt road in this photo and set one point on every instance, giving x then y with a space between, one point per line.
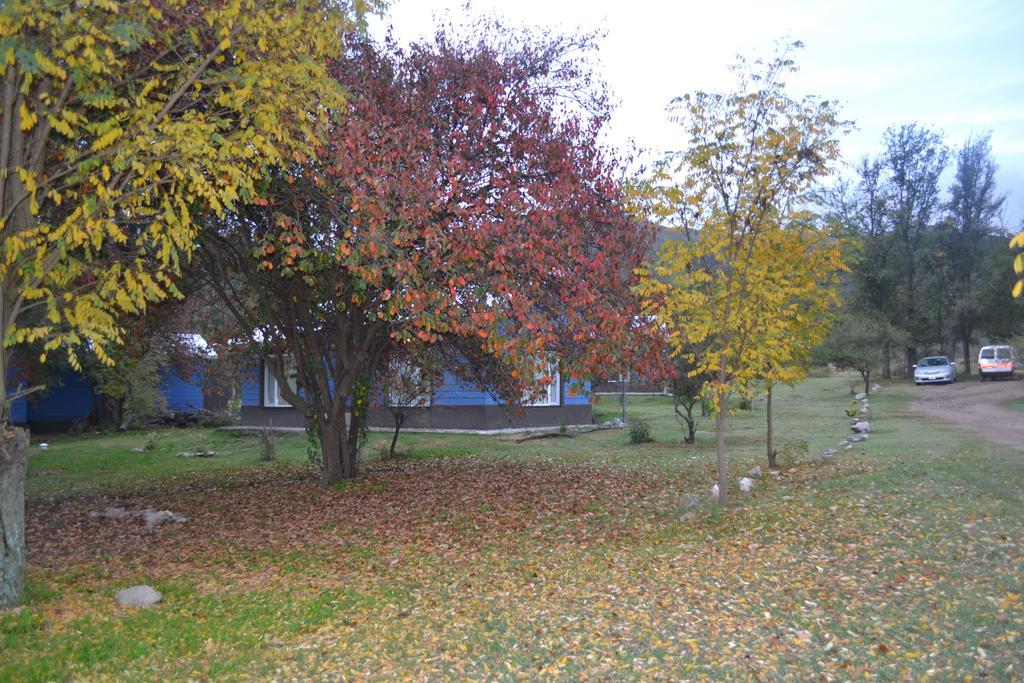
976 406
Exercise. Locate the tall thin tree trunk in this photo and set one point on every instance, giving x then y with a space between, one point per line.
13 460
771 427
887 360
720 412
967 353
911 356
866 375
399 419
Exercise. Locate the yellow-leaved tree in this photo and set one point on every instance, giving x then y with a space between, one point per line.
806 260
1018 262
729 284
120 119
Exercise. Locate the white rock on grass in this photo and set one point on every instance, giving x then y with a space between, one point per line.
860 397
746 485
138 596
154 518
118 514
755 472
861 427
876 387
857 438
714 493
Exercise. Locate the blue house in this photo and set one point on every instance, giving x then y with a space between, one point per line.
71 397
451 406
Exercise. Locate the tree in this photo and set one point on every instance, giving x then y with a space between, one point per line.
461 200
752 156
1017 242
119 120
974 207
915 158
856 342
406 380
687 387
807 261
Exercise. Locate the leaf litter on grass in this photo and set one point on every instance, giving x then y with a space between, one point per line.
473 568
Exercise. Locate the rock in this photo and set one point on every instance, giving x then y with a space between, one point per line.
154 518
714 493
197 454
860 397
44 446
116 513
755 472
829 452
151 517
844 443
746 485
861 427
138 596
848 446
876 388
857 438
138 449
615 423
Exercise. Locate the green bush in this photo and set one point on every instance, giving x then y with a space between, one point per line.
640 432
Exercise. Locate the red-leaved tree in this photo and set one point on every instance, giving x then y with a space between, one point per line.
462 200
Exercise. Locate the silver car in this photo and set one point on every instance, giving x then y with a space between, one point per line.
934 370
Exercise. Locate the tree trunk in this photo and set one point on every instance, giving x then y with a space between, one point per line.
339 460
887 360
723 475
399 419
911 354
967 353
622 395
13 460
771 430
330 450
866 375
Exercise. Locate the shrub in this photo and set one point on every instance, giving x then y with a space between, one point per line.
640 432
152 440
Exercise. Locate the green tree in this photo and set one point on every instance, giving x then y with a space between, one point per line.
857 341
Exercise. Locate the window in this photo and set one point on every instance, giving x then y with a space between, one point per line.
552 394
272 391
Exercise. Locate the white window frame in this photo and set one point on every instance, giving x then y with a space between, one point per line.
421 401
553 394
272 391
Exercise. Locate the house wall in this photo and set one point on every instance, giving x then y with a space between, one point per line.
69 398
453 406
183 395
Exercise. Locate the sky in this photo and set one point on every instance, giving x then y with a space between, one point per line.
955 66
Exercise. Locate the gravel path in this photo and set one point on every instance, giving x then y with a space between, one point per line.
976 406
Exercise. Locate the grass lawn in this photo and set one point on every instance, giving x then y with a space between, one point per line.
477 557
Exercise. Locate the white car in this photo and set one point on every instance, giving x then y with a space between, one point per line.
934 370
997 361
